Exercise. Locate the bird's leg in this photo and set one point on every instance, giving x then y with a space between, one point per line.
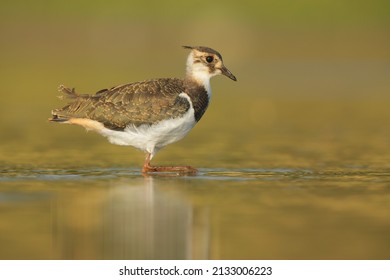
146 168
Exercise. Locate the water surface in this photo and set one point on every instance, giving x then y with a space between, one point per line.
116 213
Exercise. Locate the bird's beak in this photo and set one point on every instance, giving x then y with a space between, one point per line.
227 73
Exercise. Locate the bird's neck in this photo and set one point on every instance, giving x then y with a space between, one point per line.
198 74
199 81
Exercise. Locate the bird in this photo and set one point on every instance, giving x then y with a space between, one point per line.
150 114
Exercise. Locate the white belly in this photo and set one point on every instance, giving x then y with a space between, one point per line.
151 138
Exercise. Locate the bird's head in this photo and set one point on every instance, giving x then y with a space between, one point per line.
204 63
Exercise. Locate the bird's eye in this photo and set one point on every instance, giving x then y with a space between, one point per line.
209 59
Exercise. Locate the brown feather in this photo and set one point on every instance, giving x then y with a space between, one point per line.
135 104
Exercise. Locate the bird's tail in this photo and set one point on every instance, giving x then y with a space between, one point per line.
57 118
67 93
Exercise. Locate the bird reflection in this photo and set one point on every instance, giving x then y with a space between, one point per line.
142 218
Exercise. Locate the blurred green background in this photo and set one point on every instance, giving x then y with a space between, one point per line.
301 65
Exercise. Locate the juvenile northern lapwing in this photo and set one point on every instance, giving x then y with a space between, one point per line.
151 114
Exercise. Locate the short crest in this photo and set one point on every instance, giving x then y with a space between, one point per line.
204 49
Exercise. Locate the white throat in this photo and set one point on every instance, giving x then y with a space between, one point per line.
199 72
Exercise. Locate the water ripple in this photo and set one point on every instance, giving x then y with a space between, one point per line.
218 174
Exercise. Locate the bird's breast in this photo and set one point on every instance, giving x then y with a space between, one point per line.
199 97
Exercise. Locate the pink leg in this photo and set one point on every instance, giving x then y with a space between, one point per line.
146 168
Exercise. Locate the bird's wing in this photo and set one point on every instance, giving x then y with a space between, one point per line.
135 104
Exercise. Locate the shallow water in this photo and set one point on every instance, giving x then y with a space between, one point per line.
116 213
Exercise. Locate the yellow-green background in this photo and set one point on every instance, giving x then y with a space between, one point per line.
307 124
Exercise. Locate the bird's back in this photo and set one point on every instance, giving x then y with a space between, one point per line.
139 103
